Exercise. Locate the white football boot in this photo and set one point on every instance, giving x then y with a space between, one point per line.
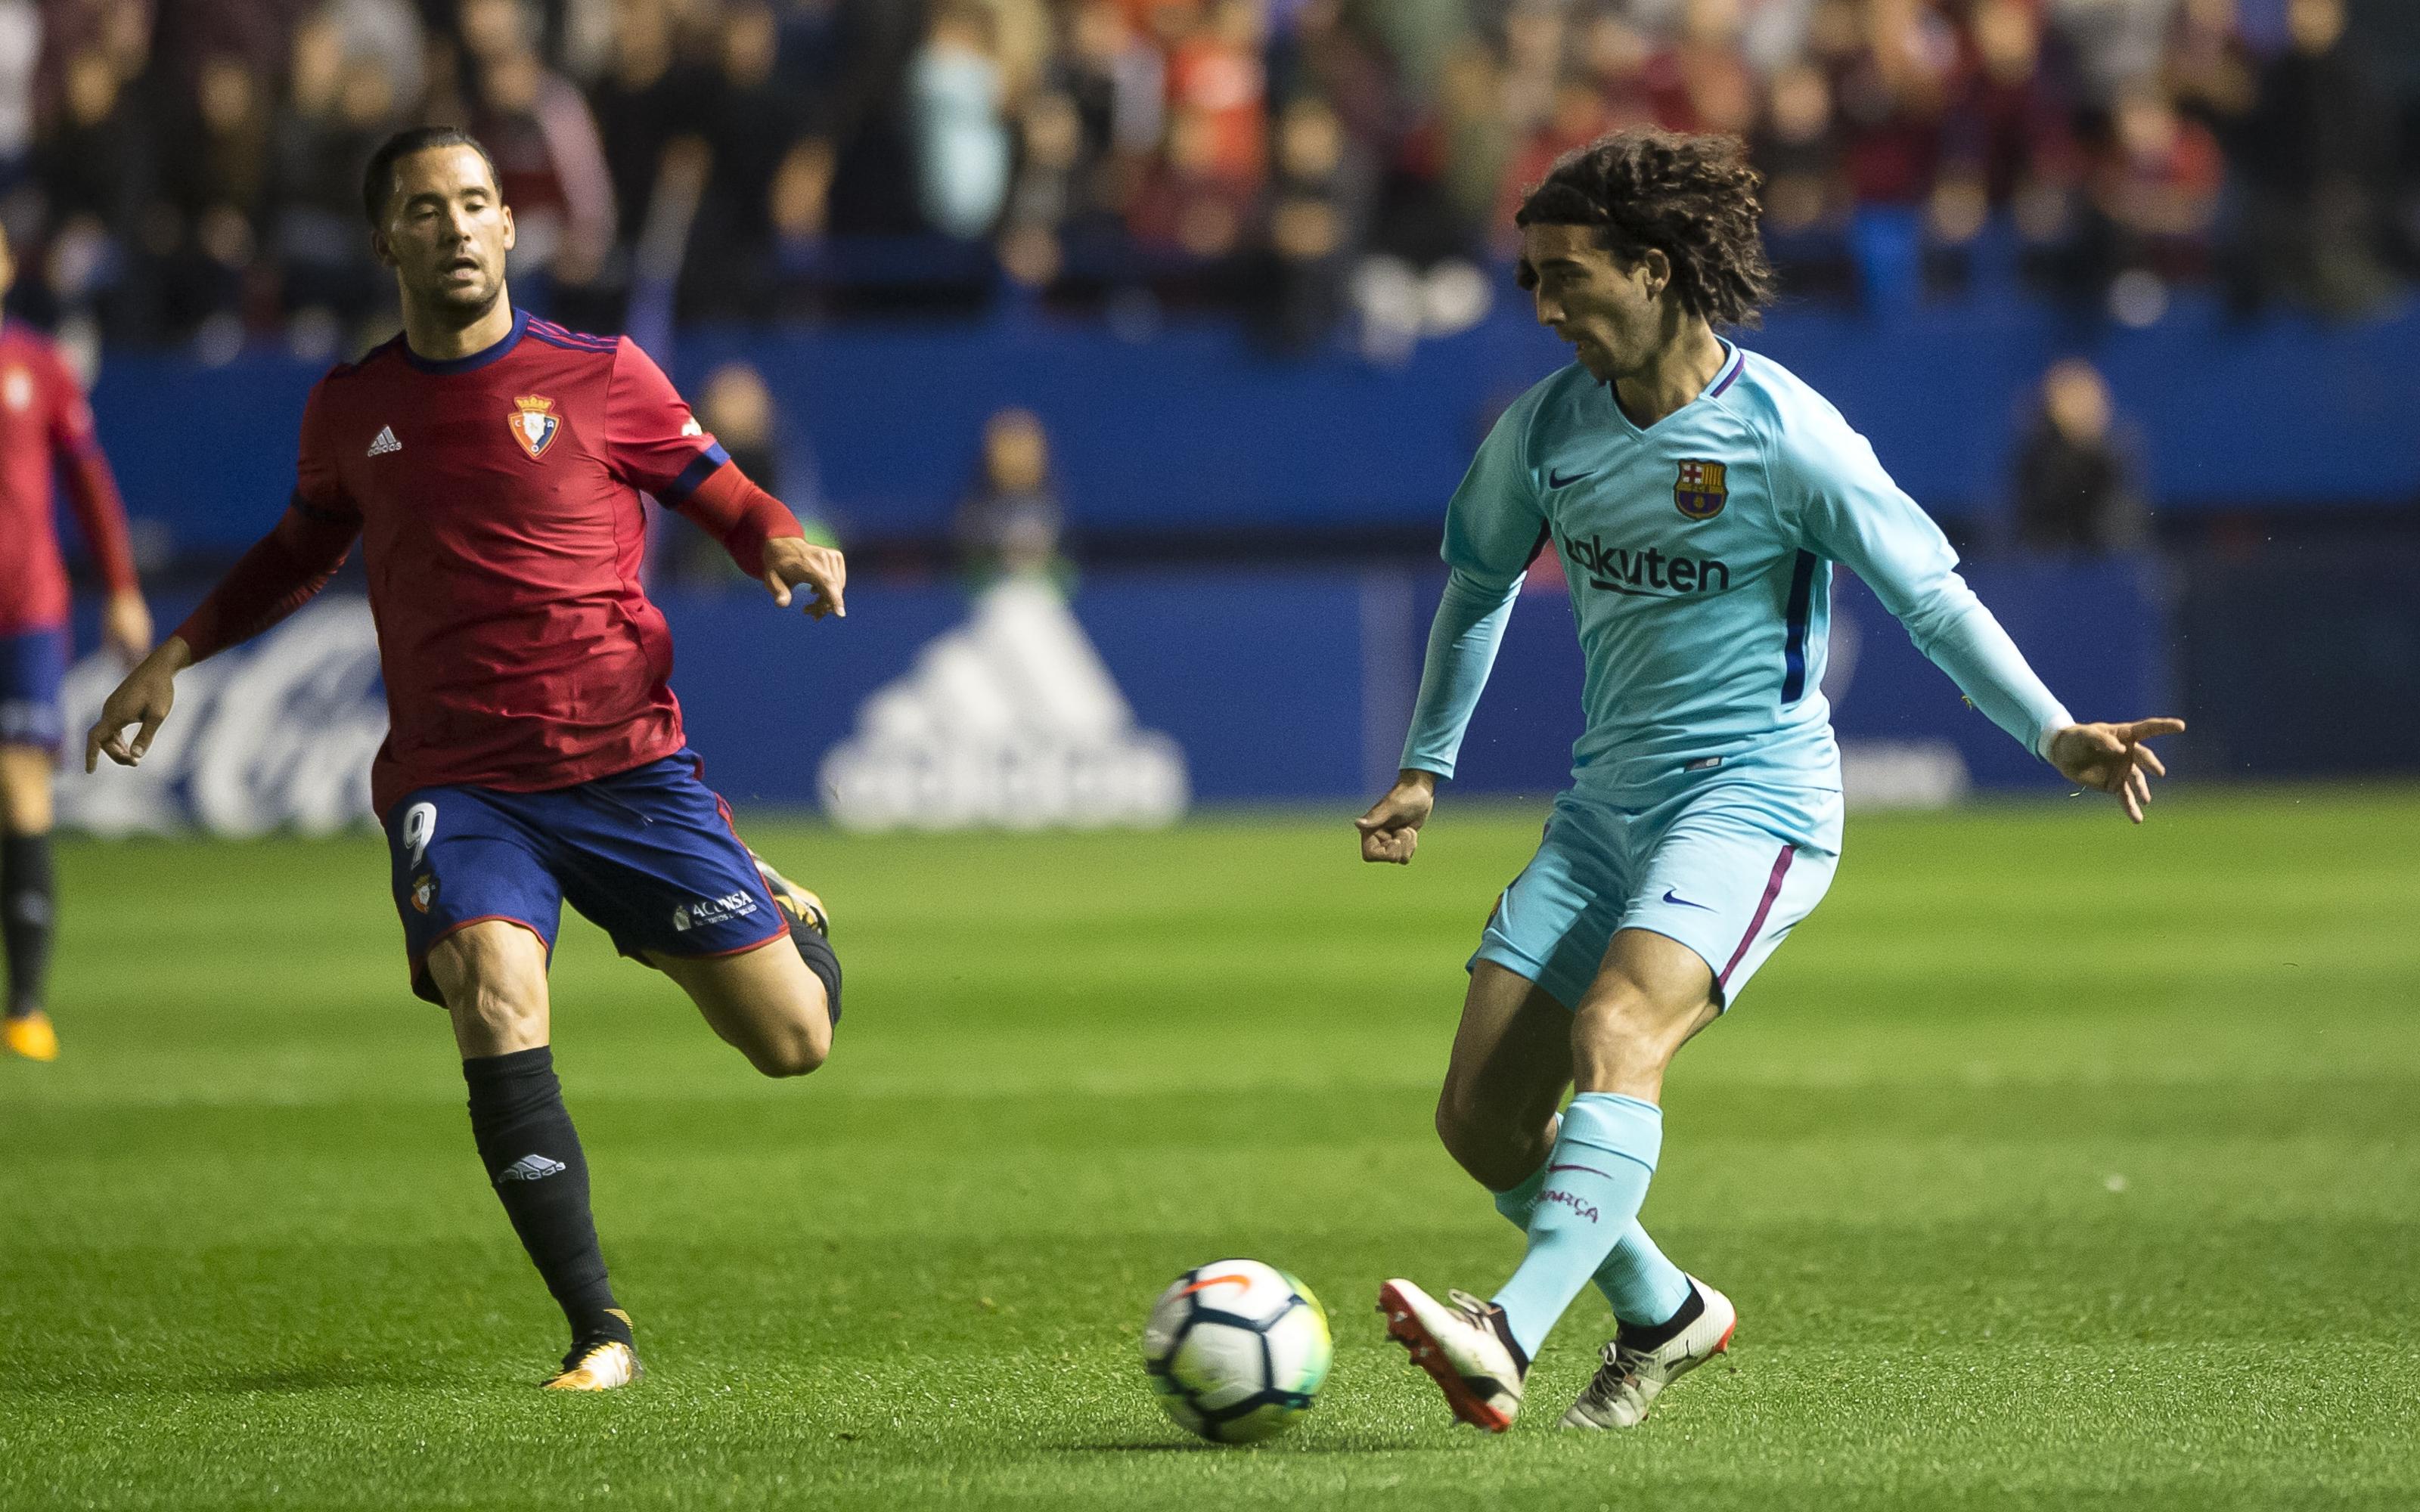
1459 1345
1629 1380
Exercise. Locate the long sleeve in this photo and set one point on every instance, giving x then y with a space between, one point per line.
1463 639
91 490
282 572
1849 512
1493 527
732 509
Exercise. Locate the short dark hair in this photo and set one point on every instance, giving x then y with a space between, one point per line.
378 180
1693 198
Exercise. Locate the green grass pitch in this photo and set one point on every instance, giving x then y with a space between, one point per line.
2052 1164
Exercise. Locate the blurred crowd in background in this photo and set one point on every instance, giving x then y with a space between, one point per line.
189 170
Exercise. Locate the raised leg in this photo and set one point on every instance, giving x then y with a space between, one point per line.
764 1002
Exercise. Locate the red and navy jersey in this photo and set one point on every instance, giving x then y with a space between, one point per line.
45 431
497 500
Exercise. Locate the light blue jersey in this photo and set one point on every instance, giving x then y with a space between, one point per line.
1705 804
1699 552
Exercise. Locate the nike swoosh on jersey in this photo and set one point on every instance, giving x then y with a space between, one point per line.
1556 480
1685 902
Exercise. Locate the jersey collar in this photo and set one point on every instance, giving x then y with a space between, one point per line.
479 359
1725 375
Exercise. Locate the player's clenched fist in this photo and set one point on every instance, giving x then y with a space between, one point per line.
792 560
1390 831
143 701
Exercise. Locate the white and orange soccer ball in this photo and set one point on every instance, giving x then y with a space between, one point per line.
1236 1350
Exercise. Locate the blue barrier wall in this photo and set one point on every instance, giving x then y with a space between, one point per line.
1194 430
1293 686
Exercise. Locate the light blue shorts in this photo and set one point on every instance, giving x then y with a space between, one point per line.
1713 866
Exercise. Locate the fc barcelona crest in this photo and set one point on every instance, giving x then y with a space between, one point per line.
1698 492
535 424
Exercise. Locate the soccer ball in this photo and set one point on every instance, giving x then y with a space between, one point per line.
1236 1350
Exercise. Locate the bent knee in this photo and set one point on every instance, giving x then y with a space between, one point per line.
794 1048
1494 1148
796 1058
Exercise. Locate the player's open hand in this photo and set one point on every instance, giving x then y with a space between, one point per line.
1390 831
2112 757
143 701
792 560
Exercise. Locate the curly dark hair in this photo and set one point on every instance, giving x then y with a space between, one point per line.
1692 198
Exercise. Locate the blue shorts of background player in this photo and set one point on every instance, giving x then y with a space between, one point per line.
649 855
1724 864
33 667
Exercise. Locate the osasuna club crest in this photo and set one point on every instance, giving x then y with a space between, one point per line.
533 423
1699 493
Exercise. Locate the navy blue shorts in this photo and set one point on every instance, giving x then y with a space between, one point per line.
648 855
32 664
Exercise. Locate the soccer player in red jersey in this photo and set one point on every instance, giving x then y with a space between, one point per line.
45 431
491 464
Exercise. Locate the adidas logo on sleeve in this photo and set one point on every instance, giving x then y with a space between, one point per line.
531 1168
385 442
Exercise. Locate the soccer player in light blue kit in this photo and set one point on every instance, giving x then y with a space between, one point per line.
1699 495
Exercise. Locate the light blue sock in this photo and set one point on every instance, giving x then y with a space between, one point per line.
1643 1286
1604 1157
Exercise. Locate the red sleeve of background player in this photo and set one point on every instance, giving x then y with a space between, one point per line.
654 443
90 488
289 565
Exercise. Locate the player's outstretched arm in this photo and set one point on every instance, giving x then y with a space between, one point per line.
793 560
142 701
2113 758
1390 831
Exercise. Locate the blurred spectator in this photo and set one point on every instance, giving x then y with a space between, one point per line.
339 106
1701 81
1799 153
1010 525
647 96
200 232
1891 91
95 172
1310 227
2009 133
20 50
2312 157
2208 70
956 90
550 160
2075 489
2152 195
1201 194
752 124
1107 147
1051 195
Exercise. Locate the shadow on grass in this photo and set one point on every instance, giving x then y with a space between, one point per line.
1281 1446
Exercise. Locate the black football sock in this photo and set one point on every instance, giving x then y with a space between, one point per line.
1655 1335
817 952
533 1157
26 909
